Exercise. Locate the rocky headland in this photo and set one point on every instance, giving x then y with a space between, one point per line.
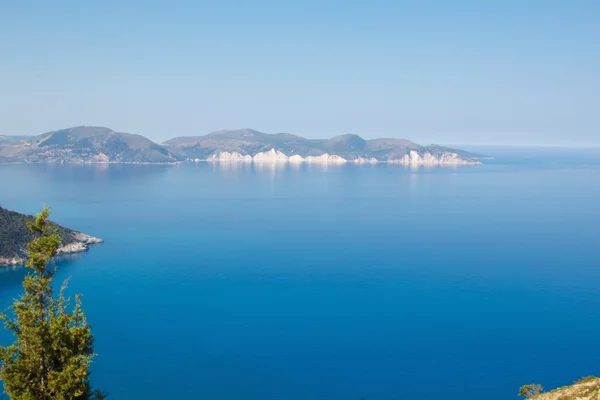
14 236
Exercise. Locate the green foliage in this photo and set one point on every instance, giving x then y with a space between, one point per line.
53 350
530 390
15 233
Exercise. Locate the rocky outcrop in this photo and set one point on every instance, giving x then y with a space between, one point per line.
364 160
427 158
81 243
296 159
325 159
270 156
227 156
6 261
276 156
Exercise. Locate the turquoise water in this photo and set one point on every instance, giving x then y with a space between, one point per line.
375 282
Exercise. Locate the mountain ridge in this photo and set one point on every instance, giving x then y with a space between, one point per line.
93 144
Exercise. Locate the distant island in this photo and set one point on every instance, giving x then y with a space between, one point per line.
87 144
14 236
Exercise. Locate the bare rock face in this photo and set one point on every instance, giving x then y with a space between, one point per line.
270 156
325 159
82 242
275 156
364 160
296 159
228 157
427 158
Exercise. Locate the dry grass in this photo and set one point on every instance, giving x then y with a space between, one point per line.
584 389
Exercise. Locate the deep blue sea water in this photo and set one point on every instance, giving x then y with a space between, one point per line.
348 282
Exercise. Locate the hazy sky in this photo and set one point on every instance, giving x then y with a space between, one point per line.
509 71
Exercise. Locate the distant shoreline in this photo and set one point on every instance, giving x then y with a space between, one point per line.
96 144
217 161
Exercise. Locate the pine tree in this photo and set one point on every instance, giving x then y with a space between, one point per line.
53 350
530 390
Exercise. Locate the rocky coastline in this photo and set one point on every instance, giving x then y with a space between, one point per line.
100 145
276 156
80 243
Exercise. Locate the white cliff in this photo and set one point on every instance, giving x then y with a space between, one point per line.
6 261
296 159
325 159
270 156
278 156
227 156
446 158
413 158
364 160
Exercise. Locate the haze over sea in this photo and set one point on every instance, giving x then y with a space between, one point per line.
266 282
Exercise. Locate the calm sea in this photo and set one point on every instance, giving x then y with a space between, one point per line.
348 282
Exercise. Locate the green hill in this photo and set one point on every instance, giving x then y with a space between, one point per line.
14 236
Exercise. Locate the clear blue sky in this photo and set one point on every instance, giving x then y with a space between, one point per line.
510 71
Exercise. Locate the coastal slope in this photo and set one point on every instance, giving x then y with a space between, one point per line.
585 389
84 144
14 236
